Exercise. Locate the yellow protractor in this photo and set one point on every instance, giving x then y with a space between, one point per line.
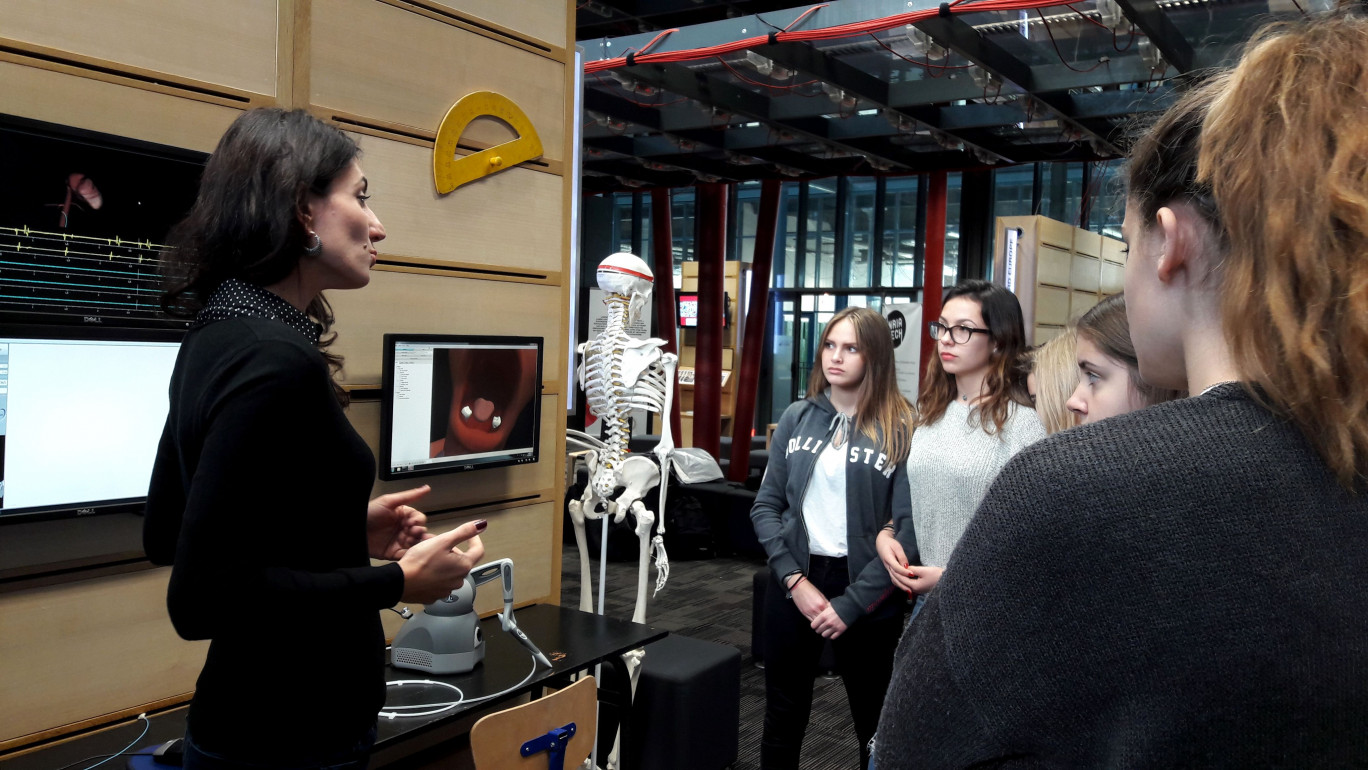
450 172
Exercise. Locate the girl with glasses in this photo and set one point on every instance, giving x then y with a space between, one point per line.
837 474
973 415
1109 382
1182 586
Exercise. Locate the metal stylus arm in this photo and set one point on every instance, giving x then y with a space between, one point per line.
504 567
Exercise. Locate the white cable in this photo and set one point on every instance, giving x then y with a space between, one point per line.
437 708
146 724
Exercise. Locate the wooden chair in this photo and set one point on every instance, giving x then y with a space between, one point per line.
497 740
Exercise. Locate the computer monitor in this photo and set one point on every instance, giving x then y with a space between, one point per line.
689 305
81 413
458 402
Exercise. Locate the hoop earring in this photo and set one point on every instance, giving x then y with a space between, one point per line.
317 247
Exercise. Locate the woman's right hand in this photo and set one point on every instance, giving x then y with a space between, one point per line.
809 599
435 567
894 560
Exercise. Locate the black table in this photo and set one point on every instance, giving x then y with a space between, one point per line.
574 641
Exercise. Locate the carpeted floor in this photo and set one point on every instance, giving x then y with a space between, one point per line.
711 599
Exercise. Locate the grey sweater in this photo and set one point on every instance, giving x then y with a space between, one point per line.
875 490
950 465
1181 586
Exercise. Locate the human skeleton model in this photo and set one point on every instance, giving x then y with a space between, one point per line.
619 374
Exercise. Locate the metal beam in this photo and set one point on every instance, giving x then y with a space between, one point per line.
852 80
630 170
956 35
737 101
1151 20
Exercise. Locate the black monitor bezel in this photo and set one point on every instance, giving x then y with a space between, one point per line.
383 462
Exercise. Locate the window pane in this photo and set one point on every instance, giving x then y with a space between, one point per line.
900 232
952 229
859 232
820 270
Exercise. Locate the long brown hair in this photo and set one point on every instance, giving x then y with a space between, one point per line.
245 224
882 414
1004 382
1106 326
1285 150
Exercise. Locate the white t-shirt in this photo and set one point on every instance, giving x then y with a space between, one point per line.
824 504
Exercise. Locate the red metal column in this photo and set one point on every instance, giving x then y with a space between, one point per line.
711 211
662 253
933 275
752 347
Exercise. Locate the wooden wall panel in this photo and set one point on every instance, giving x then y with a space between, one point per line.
81 650
96 105
546 27
1113 278
1053 266
378 61
408 302
229 44
1051 306
1081 302
475 487
523 534
511 220
1086 272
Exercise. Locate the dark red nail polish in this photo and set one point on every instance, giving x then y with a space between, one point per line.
480 525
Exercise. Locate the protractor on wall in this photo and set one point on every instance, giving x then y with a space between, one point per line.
450 171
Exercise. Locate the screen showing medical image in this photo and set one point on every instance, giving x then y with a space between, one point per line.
83 220
458 404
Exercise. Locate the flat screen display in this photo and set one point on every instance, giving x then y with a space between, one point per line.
79 421
688 310
459 402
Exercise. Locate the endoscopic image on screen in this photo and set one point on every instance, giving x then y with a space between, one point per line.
482 400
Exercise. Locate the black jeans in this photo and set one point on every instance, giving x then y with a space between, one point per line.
864 659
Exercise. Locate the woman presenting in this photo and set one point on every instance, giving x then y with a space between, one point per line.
258 497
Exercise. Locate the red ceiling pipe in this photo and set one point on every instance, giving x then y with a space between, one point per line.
752 347
934 274
711 211
662 258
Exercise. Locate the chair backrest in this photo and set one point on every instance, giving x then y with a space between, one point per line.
496 739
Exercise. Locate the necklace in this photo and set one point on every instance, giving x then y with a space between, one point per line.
1216 385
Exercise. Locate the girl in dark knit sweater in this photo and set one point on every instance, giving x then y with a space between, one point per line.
1182 586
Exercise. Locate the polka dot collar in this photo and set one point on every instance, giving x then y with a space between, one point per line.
235 298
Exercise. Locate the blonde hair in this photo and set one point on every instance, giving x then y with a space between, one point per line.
1284 148
1055 366
883 414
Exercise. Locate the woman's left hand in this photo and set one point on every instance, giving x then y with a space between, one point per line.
392 526
828 624
925 578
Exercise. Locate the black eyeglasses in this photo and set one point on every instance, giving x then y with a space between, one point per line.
960 334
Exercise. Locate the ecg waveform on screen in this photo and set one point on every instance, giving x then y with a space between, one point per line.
76 275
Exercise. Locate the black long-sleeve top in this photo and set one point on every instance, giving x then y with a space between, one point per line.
258 501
